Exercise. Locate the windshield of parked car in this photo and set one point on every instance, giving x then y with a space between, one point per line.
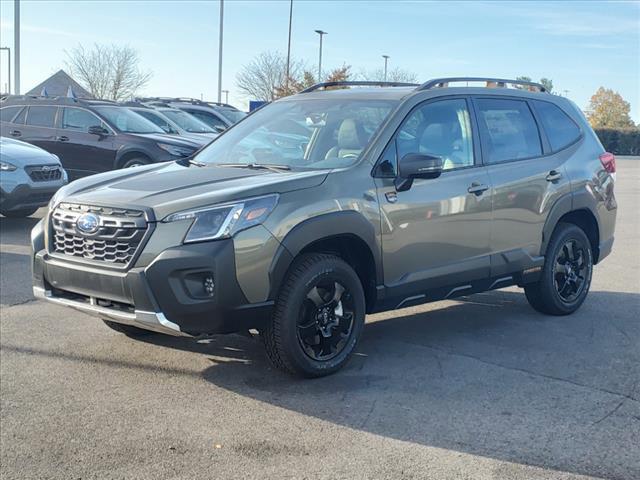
325 133
186 121
234 116
127 120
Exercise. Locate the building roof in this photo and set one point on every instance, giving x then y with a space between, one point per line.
58 85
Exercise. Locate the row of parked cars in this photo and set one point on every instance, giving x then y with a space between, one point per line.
81 137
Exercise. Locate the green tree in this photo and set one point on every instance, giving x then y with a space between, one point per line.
547 83
608 109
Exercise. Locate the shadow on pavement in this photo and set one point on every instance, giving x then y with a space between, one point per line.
487 376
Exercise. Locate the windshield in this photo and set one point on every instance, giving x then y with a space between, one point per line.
233 116
306 133
159 120
127 120
187 122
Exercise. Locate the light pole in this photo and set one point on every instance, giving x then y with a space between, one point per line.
321 33
226 96
8 67
219 52
386 59
286 80
16 44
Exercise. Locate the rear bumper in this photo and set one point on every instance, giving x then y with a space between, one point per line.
167 296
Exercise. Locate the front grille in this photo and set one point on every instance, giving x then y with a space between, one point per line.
44 173
119 235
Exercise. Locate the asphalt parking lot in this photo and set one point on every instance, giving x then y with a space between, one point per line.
478 388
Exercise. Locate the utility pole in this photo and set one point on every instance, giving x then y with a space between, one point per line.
16 44
8 67
286 80
386 59
321 33
226 96
219 52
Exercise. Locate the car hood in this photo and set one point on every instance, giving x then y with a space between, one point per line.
169 139
171 187
21 153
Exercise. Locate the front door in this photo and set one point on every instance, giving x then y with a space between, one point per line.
437 233
83 153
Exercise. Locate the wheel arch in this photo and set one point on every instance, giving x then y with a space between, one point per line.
347 234
577 210
127 155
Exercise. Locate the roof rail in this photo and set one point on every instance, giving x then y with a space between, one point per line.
362 83
499 82
193 101
58 99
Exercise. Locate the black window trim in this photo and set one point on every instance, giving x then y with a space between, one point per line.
551 151
475 135
544 146
55 117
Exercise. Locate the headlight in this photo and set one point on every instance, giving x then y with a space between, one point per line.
7 167
176 150
224 221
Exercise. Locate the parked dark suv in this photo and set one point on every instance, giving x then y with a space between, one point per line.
403 194
89 136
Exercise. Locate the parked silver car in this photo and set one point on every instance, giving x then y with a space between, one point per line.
29 176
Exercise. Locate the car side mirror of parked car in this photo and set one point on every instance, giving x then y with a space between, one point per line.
417 165
98 130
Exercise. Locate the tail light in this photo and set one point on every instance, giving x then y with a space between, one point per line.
608 161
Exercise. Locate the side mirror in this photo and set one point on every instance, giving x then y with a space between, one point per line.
98 130
417 165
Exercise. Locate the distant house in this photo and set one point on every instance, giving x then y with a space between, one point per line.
58 85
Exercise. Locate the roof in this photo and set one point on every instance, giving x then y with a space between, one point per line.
58 85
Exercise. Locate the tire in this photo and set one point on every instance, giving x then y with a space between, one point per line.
128 330
23 212
566 275
136 162
320 307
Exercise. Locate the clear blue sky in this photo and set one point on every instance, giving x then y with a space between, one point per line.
580 45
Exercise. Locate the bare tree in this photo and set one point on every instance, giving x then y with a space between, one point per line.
265 77
394 75
108 71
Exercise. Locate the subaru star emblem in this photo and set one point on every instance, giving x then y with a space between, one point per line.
88 223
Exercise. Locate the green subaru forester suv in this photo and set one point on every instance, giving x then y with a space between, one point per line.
345 199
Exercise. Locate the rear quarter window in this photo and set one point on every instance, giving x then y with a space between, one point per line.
561 130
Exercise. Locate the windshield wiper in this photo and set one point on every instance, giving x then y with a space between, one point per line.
256 166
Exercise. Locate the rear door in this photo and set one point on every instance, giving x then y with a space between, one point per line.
437 233
527 179
83 153
39 126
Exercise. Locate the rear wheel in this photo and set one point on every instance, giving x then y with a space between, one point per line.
135 162
566 276
318 317
128 330
23 212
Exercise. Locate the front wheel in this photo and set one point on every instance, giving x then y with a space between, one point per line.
566 276
318 317
135 162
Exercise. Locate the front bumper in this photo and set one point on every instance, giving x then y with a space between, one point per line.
27 196
167 296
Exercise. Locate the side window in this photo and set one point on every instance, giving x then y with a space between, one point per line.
156 119
7 113
508 129
559 127
21 117
441 129
42 116
208 118
79 120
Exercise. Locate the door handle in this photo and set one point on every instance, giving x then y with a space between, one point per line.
63 138
554 176
477 188
15 133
